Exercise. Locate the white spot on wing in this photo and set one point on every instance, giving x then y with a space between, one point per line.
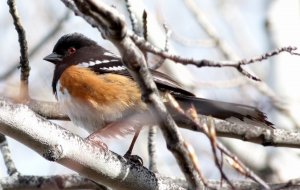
105 61
115 68
83 64
92 63
109 54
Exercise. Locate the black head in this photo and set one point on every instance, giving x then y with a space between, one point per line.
68 45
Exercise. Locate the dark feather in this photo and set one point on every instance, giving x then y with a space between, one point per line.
224 110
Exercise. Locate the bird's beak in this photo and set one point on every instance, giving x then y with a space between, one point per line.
53 58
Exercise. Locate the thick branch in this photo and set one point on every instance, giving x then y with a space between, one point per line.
49 110
56 143
41 182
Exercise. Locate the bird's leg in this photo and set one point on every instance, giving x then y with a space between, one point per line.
128 155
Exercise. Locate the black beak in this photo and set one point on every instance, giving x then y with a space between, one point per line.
53 58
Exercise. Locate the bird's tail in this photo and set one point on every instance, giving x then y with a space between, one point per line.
225 111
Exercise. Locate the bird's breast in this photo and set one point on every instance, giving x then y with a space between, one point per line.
93 101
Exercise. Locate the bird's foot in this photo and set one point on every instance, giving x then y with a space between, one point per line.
134 158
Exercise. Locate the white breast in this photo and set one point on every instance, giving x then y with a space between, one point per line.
83 116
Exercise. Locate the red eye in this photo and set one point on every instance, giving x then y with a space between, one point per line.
71 50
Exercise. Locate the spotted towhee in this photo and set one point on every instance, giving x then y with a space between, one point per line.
96 91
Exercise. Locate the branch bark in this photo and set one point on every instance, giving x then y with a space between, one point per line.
57 144
263 136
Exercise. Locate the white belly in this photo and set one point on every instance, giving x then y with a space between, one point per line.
82 115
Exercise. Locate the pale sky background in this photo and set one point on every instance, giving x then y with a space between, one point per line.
240 23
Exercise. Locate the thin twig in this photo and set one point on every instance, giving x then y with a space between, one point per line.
240 167
6 154
145 25
153 129
152 149
24 62
210 30
52 32
38 182
166 48
203 43
213 142
145 33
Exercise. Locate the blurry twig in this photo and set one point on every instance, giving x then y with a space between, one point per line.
166 49
40 44
290 183
205 43
48 182
52 33
230 83
152 149
225 49
24 63
180 38
6 154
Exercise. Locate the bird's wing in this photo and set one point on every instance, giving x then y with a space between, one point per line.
113 64
218 109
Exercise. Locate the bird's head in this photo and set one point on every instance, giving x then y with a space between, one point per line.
67 46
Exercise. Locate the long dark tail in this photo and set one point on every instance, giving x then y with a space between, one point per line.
224 110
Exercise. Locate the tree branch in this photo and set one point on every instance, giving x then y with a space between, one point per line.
263 136
57 144
6 154
24 63
42 182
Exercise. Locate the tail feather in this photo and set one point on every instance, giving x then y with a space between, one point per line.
225 111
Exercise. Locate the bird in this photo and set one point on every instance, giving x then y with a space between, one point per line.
97 92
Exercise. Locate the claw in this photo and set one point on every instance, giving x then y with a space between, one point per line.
134 158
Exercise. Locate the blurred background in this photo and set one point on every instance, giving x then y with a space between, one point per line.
215 30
